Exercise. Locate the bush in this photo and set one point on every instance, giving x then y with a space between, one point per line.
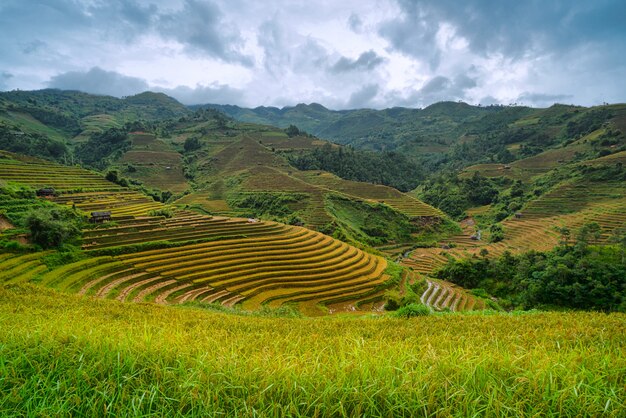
192 144
412 310
393 300
55 226
497 233
165 212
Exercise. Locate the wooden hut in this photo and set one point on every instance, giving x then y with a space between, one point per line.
99 217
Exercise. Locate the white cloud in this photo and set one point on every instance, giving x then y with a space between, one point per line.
350 53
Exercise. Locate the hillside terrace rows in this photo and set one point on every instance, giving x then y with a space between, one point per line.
399 201
58 177
540 233
289 265
573 197
119 203
441 295
177 229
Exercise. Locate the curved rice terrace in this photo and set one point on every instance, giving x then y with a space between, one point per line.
207 259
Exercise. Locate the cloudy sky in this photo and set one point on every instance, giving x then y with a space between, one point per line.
342 54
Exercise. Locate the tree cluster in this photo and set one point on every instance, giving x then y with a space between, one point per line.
52 227
104 147
388 168
578 276
15 140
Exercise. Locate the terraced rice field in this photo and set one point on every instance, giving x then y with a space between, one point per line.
218 260
403 203
441 295
39 173
574 197
318 184
155 163
181 228
120 203
570 205
261 263
20 268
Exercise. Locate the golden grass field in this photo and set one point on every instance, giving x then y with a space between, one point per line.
63 355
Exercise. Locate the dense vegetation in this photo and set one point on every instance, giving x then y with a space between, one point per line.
361 222
445 136
103 147
52 227
388 168
454 195
278 206
577 276
37 145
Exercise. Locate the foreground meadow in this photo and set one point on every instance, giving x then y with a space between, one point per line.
63 355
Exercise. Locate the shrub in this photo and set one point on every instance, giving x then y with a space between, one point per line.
54 226
165 212
412 310
497 233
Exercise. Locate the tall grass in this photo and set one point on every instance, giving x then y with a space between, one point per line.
62 355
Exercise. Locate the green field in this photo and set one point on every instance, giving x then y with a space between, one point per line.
63 355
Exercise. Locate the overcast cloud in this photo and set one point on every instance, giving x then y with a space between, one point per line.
348 54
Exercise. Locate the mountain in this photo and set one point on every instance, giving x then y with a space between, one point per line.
73 115
375 129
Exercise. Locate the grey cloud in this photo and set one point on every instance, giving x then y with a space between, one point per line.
133 13
511 28
197 24
99 81
362 97
366 61
542 99
435 85
34 46
413 34
4 77
270 38
214 93
285 52
309 56
438 88
355 23
442 88
201 27
111 83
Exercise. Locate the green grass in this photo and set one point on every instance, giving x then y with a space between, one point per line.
62 355
32 125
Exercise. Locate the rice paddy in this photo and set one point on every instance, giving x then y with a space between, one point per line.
65 355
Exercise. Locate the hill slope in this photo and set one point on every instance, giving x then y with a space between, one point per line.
142 256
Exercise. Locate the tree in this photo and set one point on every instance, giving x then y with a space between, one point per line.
587 231
565 235
619 237
292 131
54 226
192 144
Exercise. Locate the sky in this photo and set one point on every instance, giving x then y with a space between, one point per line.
342 54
